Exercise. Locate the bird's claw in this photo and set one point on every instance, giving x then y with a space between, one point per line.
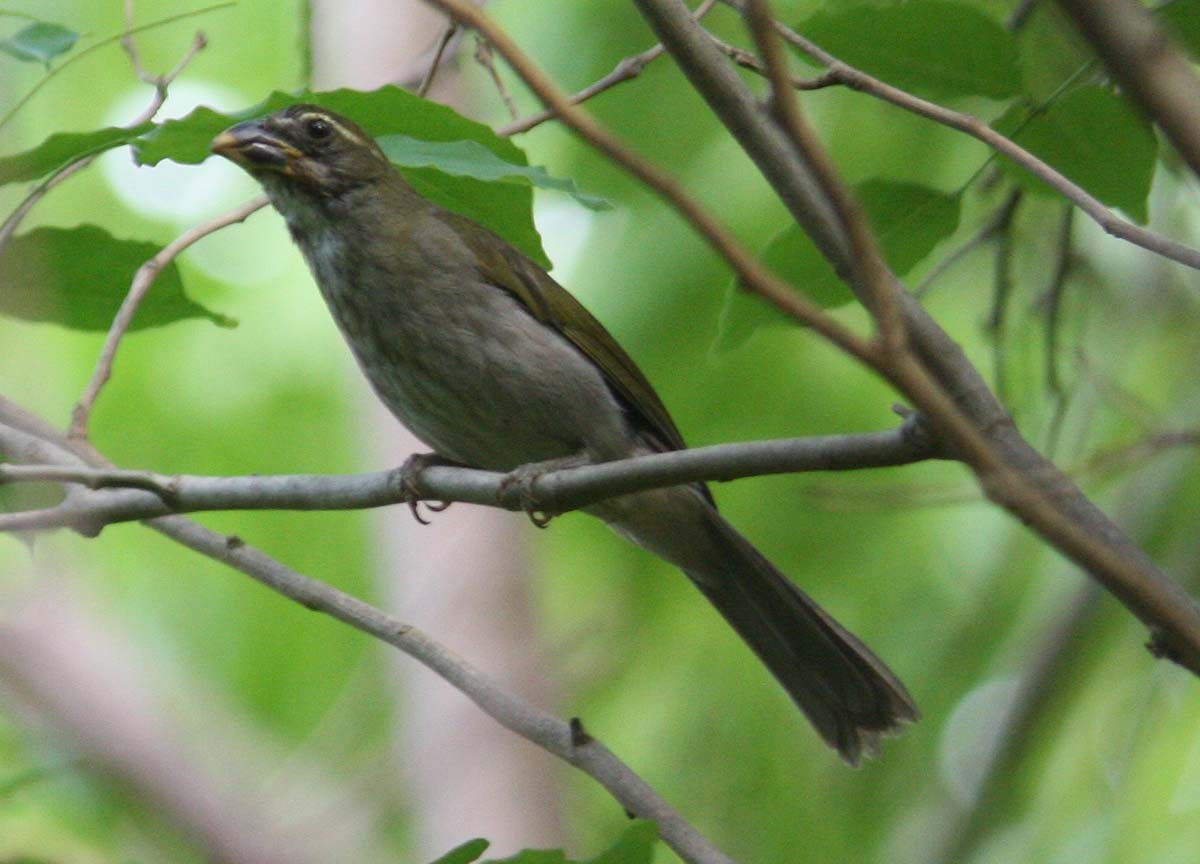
522 479
411 491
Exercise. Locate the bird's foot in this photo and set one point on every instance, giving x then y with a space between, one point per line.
411 491
523 477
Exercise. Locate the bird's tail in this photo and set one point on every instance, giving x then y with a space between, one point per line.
847 692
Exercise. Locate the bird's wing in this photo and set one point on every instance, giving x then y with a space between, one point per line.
503 266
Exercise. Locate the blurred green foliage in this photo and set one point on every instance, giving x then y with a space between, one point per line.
39 42
961 601
78 276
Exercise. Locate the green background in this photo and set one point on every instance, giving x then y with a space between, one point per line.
957 597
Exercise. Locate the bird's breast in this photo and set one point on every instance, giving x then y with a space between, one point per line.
462 363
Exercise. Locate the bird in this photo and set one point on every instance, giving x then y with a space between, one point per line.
494 365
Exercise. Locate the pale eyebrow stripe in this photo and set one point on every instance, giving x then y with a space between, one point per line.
336 125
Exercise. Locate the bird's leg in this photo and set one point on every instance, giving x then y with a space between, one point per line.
409 479
524 476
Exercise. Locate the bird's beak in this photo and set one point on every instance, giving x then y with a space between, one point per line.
252 146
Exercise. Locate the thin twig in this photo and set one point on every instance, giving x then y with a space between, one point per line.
747 60
1000 218
14 220
483 56
1125 456
1052 301
92 478
436 62
627 69
130 46
870 270
142 280
1002 287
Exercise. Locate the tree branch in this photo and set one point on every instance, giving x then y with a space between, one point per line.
483 56
137 495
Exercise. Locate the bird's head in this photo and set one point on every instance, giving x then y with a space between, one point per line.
304 148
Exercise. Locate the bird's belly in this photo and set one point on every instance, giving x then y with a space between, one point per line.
483 383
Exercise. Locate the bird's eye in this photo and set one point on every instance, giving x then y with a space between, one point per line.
318 128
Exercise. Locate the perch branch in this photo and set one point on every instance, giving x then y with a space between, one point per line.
136 495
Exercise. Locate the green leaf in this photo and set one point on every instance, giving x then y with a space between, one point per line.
39 42
931 47
908 220
464 854
1182 19
535 856
472 159
1095 138
1052 52
61 149
506 208
77 277
636 846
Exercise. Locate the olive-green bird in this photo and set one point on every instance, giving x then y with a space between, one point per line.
494 365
